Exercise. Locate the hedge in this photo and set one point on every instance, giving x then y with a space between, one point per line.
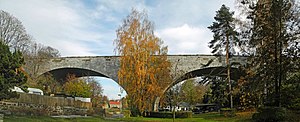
270 114
228 112
184 114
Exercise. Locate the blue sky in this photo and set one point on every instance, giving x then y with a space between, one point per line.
87 27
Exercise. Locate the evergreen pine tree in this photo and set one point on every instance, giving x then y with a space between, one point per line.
11 72
274 35
224 39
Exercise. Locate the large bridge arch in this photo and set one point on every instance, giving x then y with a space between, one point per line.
61 73
103 66
220 71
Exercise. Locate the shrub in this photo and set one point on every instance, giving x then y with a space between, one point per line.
185 114
91 112
126 113
98 111
160 114
227 112
270 114
134 112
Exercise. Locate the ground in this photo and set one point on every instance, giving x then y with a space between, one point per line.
208 117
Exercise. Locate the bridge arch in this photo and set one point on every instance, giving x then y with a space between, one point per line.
60 74
208 71
220 71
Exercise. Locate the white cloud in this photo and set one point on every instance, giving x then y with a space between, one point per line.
83 28
173 13
186 39
55 23
116 10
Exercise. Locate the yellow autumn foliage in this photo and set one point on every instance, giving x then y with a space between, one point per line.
144 68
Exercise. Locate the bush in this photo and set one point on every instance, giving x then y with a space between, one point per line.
185 114
98 111
134 112
160 114
227 112
91 112
270 114
126 113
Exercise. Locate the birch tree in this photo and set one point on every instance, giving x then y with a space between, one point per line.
144 68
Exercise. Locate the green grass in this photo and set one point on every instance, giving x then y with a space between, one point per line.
208 117
240 117
143 119
51 119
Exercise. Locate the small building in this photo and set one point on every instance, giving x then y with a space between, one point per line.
114 104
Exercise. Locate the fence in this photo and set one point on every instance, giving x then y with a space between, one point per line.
39 104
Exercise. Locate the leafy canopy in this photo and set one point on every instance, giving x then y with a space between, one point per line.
144 68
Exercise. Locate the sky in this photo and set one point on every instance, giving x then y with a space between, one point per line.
88 27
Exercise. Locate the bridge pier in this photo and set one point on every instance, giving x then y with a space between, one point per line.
156 104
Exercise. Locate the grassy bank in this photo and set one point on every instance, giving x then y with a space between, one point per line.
51 119
208 117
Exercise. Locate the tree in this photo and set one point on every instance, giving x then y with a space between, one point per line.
12 32
188 92
11 71
47 83
192 92
274 31
34 57
225 38
173 97
96 88
97 91
218 91
77 87
144 68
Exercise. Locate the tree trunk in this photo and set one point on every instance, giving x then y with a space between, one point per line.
173 114
228 70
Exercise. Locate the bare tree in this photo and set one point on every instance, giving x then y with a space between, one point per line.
35 55
13 33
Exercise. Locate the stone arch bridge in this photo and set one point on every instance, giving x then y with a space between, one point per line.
183 66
